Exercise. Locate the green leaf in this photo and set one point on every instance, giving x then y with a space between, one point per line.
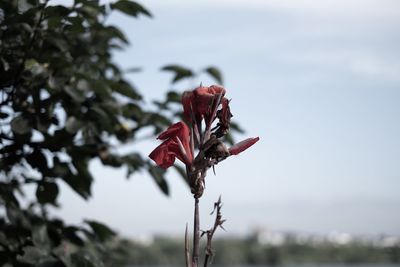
40 237
173 96
81 259
50 262
32 255
91 9
132 111
158 176
77 95
116 33
179 71
112 160
14 214
102 118
130 8
156 120
56 11
79 184
81 181
37 160
47 192
60 138
20 125
30 63
72 125
133 70
76 25
125 89
3 115
134 162
161 105
100 88
54 22
60 169
215 73
102 231
228 138
234 126
70 233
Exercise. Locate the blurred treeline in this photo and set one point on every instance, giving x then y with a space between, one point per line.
248 251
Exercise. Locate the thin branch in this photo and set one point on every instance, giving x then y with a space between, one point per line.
210 233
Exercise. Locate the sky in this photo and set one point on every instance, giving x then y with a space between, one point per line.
317 81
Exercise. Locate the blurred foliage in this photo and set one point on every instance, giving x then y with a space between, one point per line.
64 103
250 252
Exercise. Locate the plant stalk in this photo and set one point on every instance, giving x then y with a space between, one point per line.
196 234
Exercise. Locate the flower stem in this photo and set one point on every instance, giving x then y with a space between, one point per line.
196 233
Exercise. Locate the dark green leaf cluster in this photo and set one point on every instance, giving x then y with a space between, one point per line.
63 102
31 239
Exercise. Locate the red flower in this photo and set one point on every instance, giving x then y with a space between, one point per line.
201 101
176 145
206 103
243 145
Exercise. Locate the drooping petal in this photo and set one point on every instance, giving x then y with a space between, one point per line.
179 129
163 156
188 104
176 145
243 145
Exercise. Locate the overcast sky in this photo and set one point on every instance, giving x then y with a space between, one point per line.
318 81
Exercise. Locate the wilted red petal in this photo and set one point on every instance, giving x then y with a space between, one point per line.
205 96
215 89
198 103
179 129
243 145
187 102
164 155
